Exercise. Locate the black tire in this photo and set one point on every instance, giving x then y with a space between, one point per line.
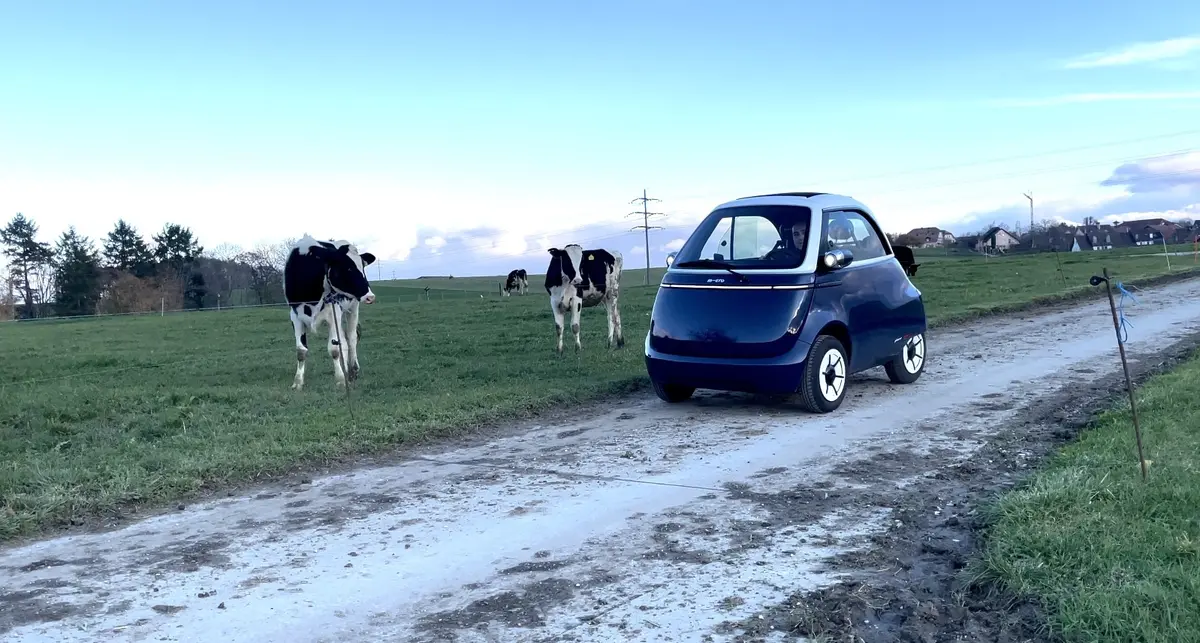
672 393
907 367
817 385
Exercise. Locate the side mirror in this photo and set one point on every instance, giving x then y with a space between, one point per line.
670 259
839 258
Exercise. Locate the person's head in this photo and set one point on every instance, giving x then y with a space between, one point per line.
839 229
799 234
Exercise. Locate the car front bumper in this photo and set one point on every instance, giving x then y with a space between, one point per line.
781 374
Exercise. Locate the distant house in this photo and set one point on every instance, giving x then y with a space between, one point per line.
996 239
1060 238
1103 237
1147 235
1066 237
931 237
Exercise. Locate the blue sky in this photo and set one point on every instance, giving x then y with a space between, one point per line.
466 137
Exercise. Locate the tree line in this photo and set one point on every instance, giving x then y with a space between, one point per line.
127 274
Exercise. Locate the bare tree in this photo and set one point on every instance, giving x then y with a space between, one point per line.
221 271
265 271
224 252
275 254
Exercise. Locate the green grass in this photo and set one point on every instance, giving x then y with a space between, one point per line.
1113 558
100 414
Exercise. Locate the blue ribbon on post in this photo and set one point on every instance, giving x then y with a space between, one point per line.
1124 322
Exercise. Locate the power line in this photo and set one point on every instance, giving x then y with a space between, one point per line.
646 227
956 166
573 233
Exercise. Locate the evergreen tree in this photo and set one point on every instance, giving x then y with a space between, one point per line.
26 255
126 250
77 275
175 249
196 290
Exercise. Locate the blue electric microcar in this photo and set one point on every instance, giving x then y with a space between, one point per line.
781 294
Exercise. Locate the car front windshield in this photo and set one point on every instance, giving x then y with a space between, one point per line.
752 236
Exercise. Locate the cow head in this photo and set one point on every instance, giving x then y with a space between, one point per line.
911 269
345 268
570 259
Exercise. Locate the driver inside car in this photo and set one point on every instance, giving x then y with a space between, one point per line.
798 234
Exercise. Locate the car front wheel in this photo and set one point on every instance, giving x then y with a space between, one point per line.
672 393
906 367
825 375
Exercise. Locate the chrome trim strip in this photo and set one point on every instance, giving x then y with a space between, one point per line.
719 287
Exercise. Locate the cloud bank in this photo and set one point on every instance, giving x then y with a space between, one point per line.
1167 187
1138 53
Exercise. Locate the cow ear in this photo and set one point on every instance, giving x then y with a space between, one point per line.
553 251
320 252
367 258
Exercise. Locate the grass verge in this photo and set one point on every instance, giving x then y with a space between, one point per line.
100 416
1110 557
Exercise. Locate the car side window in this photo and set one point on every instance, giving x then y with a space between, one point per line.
852 231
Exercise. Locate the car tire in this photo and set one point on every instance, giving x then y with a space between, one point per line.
906 367
826 373
671 393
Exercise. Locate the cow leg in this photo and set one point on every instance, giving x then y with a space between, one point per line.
575 310
557 308
336 330
608 312
615 311
351 338
298 326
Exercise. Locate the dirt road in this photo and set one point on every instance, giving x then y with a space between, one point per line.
639 522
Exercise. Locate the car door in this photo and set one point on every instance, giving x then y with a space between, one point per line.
869 290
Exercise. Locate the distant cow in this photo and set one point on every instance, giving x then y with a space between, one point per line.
904 255
578 279
518 281
324 283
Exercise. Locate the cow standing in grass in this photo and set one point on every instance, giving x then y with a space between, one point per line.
578 279
517 281
324 283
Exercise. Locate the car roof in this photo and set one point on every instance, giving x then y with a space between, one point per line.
816 200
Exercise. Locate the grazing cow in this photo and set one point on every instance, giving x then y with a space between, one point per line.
578 279
518 281
904 255
324 283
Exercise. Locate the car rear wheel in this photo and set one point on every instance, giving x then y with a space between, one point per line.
906 367
825 375
672 393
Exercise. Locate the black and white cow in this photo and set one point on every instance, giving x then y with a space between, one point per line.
904 255
578 279
324 283
518 281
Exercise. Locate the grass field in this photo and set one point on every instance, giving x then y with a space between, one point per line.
98 415
1111 557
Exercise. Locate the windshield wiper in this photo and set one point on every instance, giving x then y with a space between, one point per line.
706 263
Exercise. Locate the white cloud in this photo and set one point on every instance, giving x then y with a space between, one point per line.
435 244
1174 214
1138 53
1099 97
380 214
672 245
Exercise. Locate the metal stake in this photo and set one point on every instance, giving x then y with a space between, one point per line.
1112 306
